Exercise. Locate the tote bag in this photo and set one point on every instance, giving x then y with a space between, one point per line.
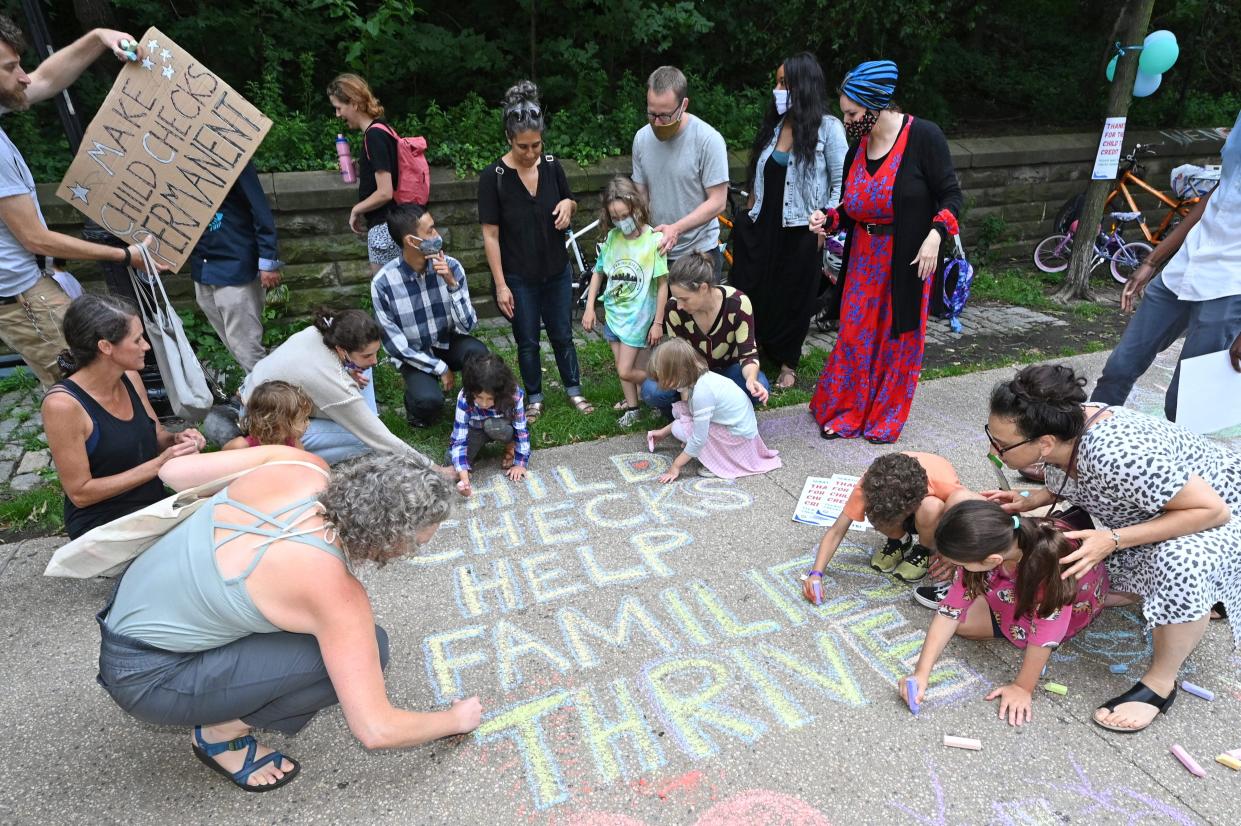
107 549
184 379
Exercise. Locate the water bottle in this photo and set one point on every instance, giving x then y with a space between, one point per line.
345 157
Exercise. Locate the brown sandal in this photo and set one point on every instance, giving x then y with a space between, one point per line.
533 411
509 453
792 375
584 407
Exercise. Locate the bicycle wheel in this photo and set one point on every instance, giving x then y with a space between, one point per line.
1053 252
1127 259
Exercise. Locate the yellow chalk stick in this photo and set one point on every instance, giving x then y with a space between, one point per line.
1056 688
1229 761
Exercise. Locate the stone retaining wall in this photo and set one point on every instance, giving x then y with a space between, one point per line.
1013 187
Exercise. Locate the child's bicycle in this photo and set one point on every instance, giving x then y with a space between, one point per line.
1178 207
583 267
1052 254
737 198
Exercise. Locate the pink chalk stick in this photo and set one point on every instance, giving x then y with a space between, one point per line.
1187 761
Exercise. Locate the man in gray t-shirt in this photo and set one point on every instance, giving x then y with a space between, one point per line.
32 305
681 164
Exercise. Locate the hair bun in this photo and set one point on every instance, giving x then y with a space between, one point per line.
1057 385
524 91
66 362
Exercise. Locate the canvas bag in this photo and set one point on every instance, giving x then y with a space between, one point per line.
412 182
107 549
184 380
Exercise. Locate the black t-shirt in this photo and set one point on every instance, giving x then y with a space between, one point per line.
530 245
378 155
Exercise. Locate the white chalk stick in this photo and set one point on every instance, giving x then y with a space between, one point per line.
962 742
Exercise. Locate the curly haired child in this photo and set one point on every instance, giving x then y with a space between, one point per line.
490 408
277 413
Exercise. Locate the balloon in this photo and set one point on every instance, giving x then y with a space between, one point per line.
1111 68
1159 51
1145 85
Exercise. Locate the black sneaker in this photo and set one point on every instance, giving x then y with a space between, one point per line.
929 596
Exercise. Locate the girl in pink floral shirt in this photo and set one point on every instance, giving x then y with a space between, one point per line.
1008 585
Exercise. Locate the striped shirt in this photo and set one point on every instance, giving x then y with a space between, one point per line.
417 311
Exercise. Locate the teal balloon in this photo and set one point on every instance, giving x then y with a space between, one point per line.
1145 85
1111 68
1159 51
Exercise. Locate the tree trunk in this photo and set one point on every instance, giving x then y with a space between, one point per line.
1077 278
534 12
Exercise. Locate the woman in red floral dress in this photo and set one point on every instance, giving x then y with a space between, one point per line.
900 201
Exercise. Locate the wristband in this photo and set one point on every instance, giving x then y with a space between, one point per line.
811 573
1115 540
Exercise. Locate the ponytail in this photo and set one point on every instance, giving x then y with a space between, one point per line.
350 330
1040 590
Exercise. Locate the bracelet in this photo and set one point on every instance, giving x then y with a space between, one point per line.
811 573
1115 540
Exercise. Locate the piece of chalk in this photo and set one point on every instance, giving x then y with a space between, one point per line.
964 743
911 694
1197 690
1187 761
1056 688
1118 668
1025 494
1234 753
1229 761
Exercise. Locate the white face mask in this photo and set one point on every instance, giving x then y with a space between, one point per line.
627 225
782 100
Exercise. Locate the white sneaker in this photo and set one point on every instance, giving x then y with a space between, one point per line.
629 418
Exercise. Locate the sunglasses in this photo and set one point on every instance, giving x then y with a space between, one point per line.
999 450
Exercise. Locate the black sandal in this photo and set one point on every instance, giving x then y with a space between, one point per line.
828 434
1140 693
205 751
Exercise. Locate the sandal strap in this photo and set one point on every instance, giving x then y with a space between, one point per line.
242 775
1140 693
236 744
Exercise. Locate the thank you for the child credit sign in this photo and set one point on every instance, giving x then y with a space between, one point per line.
163 151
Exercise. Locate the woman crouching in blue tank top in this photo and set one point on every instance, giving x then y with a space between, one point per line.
248 611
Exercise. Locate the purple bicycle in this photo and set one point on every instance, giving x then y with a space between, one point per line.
1052 254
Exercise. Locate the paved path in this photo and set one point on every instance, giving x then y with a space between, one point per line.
643 658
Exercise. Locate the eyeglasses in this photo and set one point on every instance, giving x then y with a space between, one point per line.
665 117
1000 451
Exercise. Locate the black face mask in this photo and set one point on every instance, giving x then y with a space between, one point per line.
862 126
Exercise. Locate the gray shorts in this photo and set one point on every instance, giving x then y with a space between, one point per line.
270 681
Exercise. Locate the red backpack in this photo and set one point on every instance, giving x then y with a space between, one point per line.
412 182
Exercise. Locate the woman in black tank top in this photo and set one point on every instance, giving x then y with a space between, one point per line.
106 443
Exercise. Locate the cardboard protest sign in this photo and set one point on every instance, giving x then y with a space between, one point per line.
163 151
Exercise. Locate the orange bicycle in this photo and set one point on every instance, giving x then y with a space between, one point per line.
1177 209
736 201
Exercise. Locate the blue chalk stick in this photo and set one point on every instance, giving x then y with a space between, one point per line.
1197 690
1118 668
911 691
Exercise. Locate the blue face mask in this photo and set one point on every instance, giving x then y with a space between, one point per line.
430 246
627 225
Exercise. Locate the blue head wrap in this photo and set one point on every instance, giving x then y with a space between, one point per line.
871 84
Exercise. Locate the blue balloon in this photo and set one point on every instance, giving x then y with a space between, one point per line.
1159 51
1111 68
1145 85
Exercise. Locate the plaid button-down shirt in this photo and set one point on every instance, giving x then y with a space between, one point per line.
469 415
417 312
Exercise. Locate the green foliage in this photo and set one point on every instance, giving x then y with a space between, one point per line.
974 66
37 512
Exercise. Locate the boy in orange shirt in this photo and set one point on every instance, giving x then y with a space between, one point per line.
903 495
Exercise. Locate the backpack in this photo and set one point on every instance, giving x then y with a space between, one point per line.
412 182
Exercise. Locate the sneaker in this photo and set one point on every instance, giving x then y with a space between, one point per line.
929 596
915 565
886 558
629 418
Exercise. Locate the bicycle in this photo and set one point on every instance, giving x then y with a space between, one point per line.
1177 209
1052 254
583 267
737 198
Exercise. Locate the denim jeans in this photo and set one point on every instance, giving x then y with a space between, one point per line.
424 395
549 304
661 400
334 443
1209 326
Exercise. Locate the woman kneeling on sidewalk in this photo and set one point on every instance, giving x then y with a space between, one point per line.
232 621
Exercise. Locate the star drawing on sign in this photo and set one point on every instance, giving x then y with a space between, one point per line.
152 44
165 55
167 72
148 64
80 193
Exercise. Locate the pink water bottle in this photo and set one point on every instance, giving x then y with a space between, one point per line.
346 159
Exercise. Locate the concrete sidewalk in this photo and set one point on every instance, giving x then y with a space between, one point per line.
643 657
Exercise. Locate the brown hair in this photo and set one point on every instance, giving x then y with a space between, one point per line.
675 363
668 77
277 413
624 190
692 270
974 530
351 88
892 489
11 34
350 330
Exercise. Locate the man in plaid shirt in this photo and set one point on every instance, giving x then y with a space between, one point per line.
422 303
